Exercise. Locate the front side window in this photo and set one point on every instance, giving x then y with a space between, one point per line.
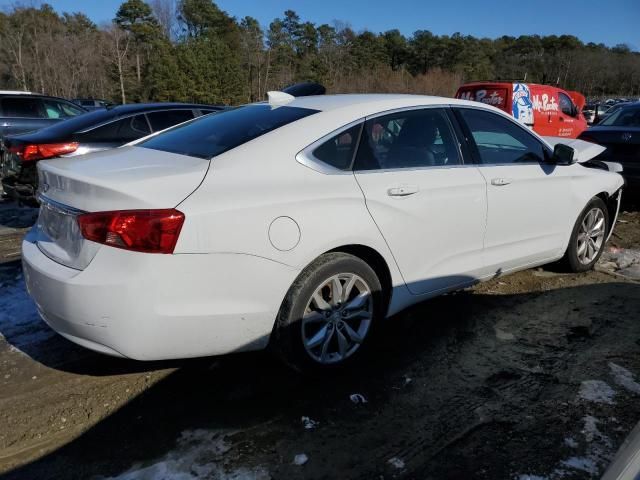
339 150
168 118
212 135
566 105
408 139
500 140
22 107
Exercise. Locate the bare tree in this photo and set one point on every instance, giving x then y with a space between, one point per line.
165 13
119 47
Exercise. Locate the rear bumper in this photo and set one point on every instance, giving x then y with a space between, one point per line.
153 307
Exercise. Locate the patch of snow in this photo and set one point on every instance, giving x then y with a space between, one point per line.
396 463
300 459
582 463
308 423
503 335
199 455
596 457
357 398
624 378
596 391
20 324
570 442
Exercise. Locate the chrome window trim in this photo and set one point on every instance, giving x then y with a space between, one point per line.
133 115
306 157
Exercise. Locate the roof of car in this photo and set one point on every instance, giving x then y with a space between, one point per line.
143 107
381 101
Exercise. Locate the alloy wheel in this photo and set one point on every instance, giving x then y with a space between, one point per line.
591 236
337 318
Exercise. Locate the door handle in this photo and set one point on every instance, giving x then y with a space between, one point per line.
500 182
402 190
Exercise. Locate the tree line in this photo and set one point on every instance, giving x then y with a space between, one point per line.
191 50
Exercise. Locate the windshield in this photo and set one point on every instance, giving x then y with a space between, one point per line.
212 135
623 117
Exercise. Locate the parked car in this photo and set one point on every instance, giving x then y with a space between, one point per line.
92 103
549 111
610 110
97 130
620 134
25 111
301 223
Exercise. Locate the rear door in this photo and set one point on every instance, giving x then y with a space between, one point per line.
528 211
428 204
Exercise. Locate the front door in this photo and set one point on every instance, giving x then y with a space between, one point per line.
528 210
429 206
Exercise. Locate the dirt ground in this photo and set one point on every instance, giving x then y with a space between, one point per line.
530 376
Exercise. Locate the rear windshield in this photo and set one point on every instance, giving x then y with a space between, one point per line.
212 135
623 117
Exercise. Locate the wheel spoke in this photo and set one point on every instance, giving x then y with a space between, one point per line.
343 344
320 302
318 338
313 317
353 335
325 345
348 287
358 302
361 314
336 291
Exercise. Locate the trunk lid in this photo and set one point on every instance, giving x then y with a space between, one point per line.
121 179
126 178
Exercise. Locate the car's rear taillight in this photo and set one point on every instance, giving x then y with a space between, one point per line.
32 152
150 231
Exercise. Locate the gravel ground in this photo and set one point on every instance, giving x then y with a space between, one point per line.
530 376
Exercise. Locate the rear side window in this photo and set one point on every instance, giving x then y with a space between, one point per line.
120 131
408 139
22 107
212 135
168 118
339 150
500 140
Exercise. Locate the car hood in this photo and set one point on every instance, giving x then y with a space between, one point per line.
585 151
121 179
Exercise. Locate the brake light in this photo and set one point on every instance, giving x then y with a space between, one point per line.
149 231
32 152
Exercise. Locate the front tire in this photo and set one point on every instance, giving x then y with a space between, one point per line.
588 237
328 313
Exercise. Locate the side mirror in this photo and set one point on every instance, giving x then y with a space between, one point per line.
563 155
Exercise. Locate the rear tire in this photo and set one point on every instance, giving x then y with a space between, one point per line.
328 314
588 237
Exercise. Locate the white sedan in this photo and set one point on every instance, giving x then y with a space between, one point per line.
301 223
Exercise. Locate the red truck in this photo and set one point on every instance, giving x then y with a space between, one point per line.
549 111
